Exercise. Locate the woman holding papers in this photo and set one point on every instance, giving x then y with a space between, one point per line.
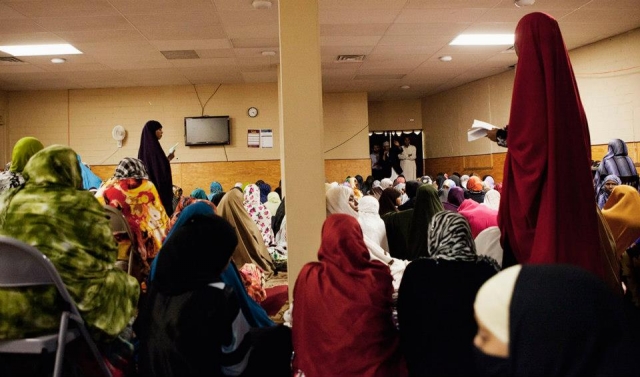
549 142
157 164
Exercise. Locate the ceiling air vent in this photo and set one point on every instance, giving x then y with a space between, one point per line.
180 54
350 58
10 59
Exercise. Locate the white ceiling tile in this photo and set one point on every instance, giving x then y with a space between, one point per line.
19 26
361 5
67 67
154 7
255 42
369 16
414 40
212 63
84 23
349 41
240 31
192 44
354 29
7 12
242 5
436 4
428 29
102 36
416 16
178 26
67 8
268 76
215 53
30 38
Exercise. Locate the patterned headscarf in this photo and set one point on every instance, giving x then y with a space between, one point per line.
449 238
130 167
259 213
616 162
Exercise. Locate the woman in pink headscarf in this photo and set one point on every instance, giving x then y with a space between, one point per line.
549 142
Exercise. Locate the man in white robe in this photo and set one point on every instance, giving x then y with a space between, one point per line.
408 160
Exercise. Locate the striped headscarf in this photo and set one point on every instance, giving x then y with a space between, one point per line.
449 238
616 162
130 167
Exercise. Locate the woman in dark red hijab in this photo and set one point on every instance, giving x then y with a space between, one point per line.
549 142
157 163
342 322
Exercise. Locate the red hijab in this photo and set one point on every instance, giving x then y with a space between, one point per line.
342 309
541 221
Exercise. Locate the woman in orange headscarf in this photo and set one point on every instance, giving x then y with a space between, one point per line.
549 142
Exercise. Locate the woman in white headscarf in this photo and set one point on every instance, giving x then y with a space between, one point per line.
492 199
341 200
447 185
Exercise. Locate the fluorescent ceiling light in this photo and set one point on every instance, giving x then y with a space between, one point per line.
40 50
483 40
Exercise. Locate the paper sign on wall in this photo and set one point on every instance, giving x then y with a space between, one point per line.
253 138
266 138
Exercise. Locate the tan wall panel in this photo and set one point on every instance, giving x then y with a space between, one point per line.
200 174
481 165
395 115
338 170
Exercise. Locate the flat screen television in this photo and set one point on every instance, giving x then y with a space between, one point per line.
207 130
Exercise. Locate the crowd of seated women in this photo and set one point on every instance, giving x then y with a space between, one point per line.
409 278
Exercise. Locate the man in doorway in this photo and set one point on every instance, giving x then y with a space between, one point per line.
376 166
408 160
389 160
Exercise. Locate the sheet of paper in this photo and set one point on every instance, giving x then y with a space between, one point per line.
173 149
253 138
478 130
266 138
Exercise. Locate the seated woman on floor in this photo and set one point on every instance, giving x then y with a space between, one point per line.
251 247
259 213
342 320
130 191
340 200
254 314
52 213
435 301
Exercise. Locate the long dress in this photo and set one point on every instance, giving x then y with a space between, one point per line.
549 142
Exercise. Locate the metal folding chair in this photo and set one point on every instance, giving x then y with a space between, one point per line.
119 225
22 265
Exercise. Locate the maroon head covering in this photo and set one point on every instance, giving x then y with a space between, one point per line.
541 221
454 199
157 164
342 309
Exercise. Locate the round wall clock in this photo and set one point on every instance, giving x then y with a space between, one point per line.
252 112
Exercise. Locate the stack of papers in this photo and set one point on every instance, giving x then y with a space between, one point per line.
479 130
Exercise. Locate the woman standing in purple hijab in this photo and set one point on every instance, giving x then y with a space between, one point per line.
157 163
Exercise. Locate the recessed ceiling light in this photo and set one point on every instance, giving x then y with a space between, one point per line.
261 4
445 58
268 53
524 3
40 50
483 40
58 60
405 87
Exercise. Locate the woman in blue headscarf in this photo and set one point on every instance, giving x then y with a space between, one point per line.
253 312
214 189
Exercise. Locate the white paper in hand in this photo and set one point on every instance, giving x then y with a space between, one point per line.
173 149
479 130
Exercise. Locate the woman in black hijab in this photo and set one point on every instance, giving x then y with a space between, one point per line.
157 164
435 300
551 320
188 305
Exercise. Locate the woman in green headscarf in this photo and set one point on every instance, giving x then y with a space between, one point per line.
22 152
52 213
